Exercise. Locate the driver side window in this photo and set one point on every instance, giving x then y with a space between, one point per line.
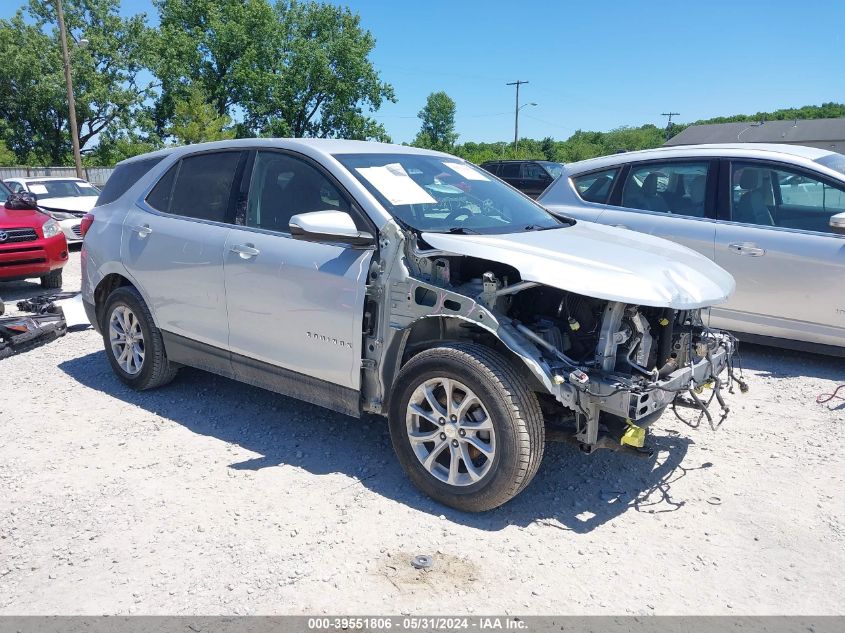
282 186
767 196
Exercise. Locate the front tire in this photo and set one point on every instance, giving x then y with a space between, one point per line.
466 427
52 280
133 343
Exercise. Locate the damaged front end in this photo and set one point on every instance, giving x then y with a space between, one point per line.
604 369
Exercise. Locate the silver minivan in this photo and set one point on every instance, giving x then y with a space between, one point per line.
771 215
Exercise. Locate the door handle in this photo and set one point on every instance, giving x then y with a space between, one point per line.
749 249
246 251
143 230
620 226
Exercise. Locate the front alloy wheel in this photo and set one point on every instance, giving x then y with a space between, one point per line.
127 339
466 426
450 431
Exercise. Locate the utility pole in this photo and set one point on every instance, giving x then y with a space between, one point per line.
669 122
516 83
71 104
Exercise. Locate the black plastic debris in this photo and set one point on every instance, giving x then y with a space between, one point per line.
23 332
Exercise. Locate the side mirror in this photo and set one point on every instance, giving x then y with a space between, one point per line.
837 223
328 226
22 202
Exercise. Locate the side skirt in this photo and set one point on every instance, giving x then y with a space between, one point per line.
186 351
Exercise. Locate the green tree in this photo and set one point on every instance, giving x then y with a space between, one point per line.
288 69
107 83
195 120
7 156
438 123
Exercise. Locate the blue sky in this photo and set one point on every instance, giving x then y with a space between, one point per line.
596 65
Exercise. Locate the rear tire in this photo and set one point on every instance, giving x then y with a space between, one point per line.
52 280
494 433
133 343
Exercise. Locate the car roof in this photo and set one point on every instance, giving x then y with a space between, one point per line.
747 150
314 147
28 179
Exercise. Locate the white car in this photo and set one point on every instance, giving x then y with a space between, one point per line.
65 199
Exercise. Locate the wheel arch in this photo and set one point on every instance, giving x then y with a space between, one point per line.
111 282
433 331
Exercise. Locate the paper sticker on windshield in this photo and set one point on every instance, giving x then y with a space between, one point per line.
38 189
394 183
85 185
466 171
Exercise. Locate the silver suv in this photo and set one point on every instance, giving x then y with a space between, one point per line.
380 279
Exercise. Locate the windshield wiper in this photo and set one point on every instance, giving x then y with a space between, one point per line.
462 230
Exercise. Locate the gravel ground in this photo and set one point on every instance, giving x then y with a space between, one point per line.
212 497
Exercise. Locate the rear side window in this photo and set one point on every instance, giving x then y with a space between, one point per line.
595 187
198 186
509 170
123 177
533 171
491 167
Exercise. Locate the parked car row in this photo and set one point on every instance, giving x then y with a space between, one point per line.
66 200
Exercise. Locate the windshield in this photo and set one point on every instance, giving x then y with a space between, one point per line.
833 161
555 169
433 193
61 188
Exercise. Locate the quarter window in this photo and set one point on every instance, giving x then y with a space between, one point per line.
533 171
198 186
677 187
282 186
767 196
123 177
595 187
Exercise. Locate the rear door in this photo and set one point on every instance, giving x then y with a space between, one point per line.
535 179
293 304
173 244
774 237
673 199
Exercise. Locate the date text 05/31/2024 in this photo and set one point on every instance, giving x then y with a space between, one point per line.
421 623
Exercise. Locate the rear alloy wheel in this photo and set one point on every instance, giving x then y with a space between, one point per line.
133 343
466 426
127 340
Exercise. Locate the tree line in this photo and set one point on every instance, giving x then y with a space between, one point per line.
211 69
217 69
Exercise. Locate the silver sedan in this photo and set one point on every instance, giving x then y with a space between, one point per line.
771 215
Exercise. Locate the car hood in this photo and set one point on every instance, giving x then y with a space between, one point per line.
20 218
75 203
602 262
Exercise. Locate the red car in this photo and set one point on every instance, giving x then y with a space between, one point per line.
31 242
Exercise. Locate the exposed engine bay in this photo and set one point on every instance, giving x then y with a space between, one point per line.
605 369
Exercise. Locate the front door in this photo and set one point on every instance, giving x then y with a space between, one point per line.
173 245
293 305
672 199
788 264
